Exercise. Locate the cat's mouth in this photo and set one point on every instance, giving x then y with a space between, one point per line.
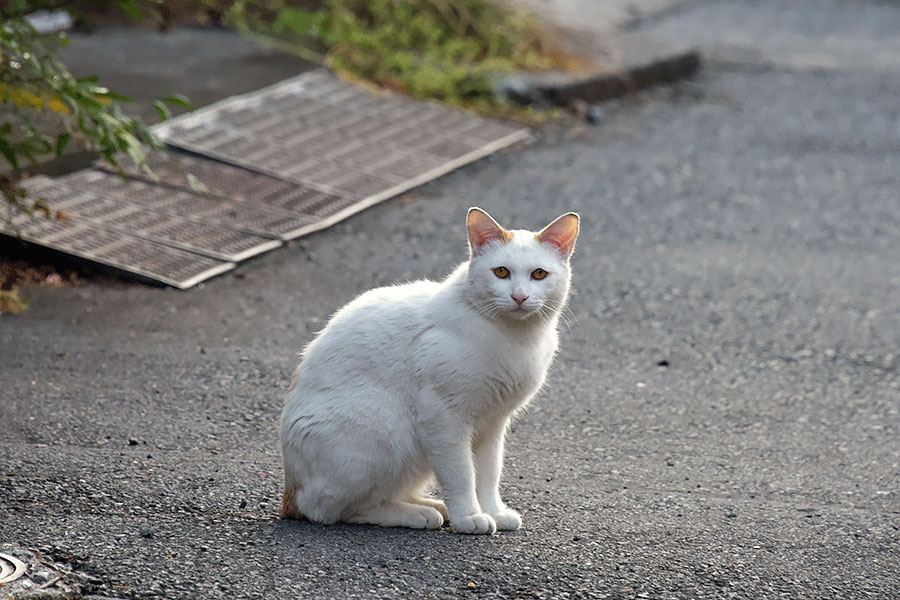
521 312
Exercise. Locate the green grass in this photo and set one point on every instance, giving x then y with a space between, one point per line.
11 302
448 50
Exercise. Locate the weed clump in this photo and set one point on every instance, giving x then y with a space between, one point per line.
448 50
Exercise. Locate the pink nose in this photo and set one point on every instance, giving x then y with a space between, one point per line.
519 298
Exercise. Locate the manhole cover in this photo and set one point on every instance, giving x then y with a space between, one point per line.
118 249
251 217
316 130
310 205
11 568
92 197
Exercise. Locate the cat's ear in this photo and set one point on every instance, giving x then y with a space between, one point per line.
561 233
483 230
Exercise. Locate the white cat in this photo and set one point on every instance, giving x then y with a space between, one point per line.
417 381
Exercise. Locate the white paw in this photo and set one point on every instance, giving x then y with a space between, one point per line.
507 520
441 508
427 518
479 523
438 505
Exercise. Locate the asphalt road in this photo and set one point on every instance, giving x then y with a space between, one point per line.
722 421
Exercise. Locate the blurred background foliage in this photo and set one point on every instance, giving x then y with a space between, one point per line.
449 50
44 108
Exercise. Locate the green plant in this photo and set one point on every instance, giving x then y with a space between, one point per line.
449 50
45 108
11 302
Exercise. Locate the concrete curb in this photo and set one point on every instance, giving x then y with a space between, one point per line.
647 63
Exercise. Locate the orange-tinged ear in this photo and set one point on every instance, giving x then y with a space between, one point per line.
561 233
483 230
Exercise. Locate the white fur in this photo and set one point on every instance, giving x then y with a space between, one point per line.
414 381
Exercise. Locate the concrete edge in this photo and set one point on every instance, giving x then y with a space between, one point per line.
569 90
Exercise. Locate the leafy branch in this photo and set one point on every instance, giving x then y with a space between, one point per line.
44 109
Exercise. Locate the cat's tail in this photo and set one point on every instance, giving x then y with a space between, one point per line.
289 508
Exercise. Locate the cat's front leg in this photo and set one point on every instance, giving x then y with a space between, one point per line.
488 453
446 442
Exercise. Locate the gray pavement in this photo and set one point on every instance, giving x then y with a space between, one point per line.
203 64
802 34
723 421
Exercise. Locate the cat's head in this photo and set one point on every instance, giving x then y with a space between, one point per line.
519 274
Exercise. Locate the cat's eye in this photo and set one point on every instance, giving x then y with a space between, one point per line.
539 274
501 272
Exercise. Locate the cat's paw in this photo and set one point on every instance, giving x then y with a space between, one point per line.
479 523
427 518
437 505
399 514
507 520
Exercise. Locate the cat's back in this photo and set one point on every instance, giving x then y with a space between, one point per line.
385 309
374 328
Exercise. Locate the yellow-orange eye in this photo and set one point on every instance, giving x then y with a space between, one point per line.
501 272
539 274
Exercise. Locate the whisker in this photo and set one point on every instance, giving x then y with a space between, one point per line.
487 309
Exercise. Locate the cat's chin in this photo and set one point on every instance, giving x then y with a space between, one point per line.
520 314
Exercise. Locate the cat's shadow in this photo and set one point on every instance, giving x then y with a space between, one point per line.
303 533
